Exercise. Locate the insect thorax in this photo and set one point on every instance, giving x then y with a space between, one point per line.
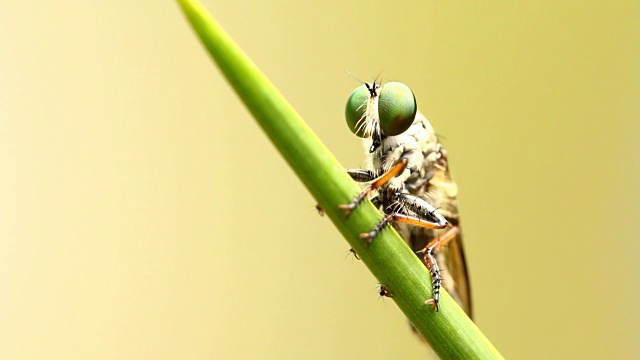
419 145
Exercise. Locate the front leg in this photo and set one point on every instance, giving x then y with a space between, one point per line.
359 175
367 174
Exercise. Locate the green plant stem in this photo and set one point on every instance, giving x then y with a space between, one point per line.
449 332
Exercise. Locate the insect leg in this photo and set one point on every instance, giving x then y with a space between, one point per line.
418 221
395 170
436 280
376 230
423 209
431 263
400 218
412 220
360 175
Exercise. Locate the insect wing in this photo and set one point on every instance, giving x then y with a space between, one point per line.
454 273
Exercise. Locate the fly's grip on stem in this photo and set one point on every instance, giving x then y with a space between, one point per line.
348 208
436 279
376 230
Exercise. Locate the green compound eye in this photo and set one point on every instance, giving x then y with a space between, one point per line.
355 110
397 108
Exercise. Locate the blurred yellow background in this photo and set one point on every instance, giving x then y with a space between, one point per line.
143 214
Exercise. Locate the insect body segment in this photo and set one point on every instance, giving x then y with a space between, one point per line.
409 174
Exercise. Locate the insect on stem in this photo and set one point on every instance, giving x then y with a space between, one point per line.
410 177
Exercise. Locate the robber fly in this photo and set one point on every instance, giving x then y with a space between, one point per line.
408 171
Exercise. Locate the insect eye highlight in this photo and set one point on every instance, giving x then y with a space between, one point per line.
397 108
355 110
